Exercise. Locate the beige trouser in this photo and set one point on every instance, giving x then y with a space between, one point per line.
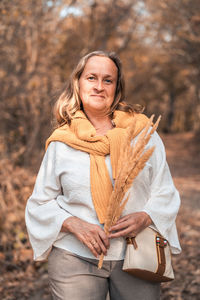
78 278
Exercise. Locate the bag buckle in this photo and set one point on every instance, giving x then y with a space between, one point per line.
131 240
161 242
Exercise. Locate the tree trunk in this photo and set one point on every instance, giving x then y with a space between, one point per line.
170 117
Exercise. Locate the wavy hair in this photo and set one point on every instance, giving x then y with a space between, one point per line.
69 101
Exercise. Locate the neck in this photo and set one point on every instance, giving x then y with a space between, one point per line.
102 123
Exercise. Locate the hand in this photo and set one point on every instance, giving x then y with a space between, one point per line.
130 225
93 236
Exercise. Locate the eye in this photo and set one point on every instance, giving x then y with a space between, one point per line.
108 81
91 78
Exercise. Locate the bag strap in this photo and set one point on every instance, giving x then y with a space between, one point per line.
161 243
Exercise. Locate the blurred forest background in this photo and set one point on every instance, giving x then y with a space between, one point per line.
40 43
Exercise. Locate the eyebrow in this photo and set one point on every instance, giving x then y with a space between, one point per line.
95 74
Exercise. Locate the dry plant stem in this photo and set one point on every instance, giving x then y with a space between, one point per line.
132 160
125 183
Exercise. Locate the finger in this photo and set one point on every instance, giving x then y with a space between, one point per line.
96 245
101 246
120 226
121 233
122 219
97 248
92 248
104 238
86 240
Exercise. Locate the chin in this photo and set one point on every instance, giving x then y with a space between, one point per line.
99 108
98 105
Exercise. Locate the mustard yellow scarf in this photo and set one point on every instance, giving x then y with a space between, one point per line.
81 135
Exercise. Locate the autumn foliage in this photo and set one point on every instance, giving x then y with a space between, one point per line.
40 43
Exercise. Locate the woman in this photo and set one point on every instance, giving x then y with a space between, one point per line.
66 212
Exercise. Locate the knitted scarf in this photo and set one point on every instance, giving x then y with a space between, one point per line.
81 135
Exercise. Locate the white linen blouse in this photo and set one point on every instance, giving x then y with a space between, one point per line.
62 189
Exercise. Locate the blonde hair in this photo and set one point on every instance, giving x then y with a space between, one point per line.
69 101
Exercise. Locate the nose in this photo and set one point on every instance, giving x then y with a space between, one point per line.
99 86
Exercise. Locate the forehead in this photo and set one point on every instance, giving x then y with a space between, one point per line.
100 65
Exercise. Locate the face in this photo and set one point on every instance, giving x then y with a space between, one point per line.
97 85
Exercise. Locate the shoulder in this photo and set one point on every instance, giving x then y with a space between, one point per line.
57 147
58 152
159 153
156 140
58 134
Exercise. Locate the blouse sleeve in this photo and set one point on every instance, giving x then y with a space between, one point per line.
164 201
44 217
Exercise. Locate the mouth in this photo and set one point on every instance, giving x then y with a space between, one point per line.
98 96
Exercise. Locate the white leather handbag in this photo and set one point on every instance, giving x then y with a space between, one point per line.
148 257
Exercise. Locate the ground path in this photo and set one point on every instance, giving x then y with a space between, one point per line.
183 155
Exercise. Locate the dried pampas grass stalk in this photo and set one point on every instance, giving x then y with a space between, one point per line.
132 160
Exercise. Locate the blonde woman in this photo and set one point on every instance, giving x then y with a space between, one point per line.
66 211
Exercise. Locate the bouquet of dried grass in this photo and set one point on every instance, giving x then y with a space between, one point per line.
131 161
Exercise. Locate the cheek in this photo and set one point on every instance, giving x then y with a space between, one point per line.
80 87
82 90
112 92
83 87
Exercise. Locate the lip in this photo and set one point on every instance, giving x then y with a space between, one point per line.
99 96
